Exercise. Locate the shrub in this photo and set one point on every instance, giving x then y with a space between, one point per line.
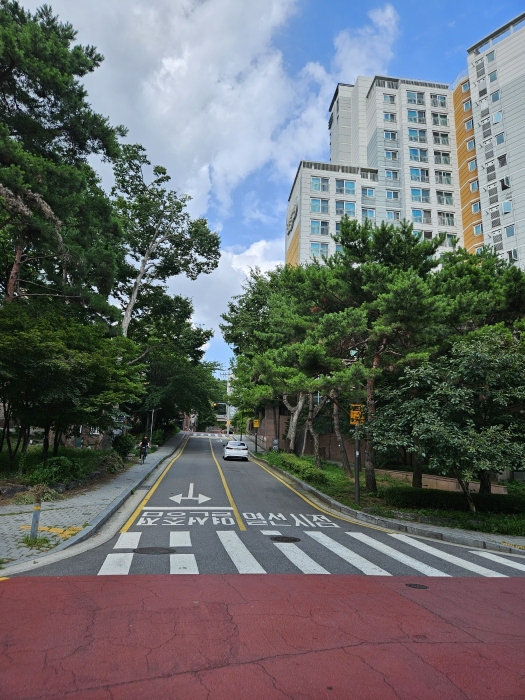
408 497
124 444
111 463
57 470
158 437
301 468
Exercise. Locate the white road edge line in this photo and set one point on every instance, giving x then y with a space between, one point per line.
398 556
462 563
116 564
243 560
351 557
300 559
183 564
128 540
500 560
180 539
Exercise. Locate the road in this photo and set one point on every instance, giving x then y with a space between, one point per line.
209 516
336 610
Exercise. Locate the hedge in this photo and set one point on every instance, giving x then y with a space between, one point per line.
302 469
408 497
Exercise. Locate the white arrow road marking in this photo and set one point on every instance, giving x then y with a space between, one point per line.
128 540
447 557
244 561
351 557
190 497
391 552
116 564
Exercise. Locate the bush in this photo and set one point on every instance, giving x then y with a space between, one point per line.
124 444
158 437
416 499
57 470
300 467
111 463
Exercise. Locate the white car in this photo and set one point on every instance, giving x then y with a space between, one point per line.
235 450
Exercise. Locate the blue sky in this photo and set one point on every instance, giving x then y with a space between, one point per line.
229 95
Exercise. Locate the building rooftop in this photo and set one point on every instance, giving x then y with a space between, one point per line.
336 93
502 33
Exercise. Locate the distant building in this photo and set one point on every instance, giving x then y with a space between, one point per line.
448 159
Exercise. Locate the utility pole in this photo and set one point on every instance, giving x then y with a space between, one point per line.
357 419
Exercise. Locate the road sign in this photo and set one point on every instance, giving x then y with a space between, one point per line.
255 423
190 497
357 414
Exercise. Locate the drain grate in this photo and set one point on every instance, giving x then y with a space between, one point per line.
415 585
154 550
282 538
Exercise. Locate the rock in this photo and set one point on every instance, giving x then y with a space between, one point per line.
413 517
94 475
434 521
73 485
10 491
59 488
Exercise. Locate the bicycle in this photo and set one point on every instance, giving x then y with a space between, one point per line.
143 454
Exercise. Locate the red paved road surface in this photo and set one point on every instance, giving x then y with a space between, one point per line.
256 637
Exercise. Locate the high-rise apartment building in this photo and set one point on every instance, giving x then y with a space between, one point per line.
489 102
446 158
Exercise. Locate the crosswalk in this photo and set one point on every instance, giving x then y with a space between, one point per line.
314 553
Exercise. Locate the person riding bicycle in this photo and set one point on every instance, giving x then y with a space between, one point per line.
144 446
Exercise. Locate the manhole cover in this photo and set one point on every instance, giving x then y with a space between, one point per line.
415 585
154 550
282 538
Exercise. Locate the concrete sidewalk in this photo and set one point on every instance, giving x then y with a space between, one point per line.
86 510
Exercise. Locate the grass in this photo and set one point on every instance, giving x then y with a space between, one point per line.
28 497
340 487
40 543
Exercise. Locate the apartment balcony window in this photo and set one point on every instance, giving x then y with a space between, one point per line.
491 56
389 99
506 207
392 195
451 240
445 197
392 174
421 217
478 229
500 138
441 158
389 117
467 105
392 156
466 86
512 255
368 213
391 136
441 139
419 175
443 178
345 187
474 186
471 144
494 97
438 101
439 119
419 195
446 218
415 98
418 154
342 208
476 208
502 160
472 165
469 125
338 248
493 76
318 228
319 184
319 206
509 231
393 215
318 250
497 117
427 235
504 183
367 192
418 135
417 116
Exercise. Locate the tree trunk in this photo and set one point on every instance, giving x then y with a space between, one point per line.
135 291
334 395
45 450
417 471
14 275
370 476
484 482
294 419
25 443
56 442
309 420
468 495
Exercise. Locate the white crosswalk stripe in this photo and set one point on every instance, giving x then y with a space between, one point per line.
183 564
398 556
475 568
300 559
180 539
243 560
351 557
128 540
116 564
500 560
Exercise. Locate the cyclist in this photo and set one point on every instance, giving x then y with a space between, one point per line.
144 445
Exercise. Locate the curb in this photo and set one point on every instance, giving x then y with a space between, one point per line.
410 528
108 511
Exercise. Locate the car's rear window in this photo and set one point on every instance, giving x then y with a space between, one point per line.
236 444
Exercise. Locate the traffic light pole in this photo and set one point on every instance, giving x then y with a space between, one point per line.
357 462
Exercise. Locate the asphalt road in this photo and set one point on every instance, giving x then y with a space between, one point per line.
205 515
